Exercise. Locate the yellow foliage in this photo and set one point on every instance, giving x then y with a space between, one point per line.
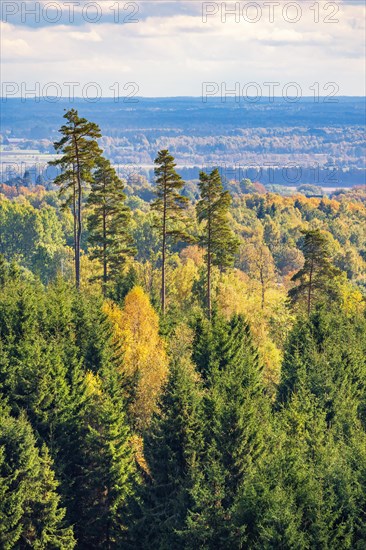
114 314
272 359
92 384
137 445
236 293
182 279
89 271
145 361
353 302
148 276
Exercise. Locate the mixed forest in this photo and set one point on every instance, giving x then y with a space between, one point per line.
182 365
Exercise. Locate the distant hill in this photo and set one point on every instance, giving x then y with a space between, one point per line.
182 114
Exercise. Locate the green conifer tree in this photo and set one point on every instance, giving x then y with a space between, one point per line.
307 492
80 152
34 375
30 514
172 447
100 469
237 424
327 354
108 222
315 279
217 236
170 206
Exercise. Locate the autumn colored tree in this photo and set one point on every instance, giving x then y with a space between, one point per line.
170 206
120 429
261 266
144 361
217 236
80 151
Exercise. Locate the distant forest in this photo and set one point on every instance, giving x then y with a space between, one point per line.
272 143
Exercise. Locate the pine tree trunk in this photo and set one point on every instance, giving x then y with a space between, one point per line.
105 274
209 283
74 216
163 259
310 287
78 240
209 269
79 227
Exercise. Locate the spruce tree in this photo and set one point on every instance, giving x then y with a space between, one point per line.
327 354
34 370
172 447
237 423
30 514
100 469
108 222
217 236
320 447
307 493
170 206
80 151
92 332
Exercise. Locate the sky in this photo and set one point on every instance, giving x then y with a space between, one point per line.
182 48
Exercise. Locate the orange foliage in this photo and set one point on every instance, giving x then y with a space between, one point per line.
194 253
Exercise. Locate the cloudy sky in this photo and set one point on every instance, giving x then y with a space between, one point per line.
172 48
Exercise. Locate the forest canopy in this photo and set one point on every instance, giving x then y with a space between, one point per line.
179 370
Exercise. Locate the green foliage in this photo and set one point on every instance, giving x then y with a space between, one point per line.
236 424
30 515
213 209
227 460
169 203
172 447
170 207
316 278
108 223
216 235
33 237
80 153
308 491
326 353
101 468
310 190
49 340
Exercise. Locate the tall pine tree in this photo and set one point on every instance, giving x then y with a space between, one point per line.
108 222
80 151
217 236
170 206
315 278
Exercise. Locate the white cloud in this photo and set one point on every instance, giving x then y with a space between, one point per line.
171 51
89 36
15 48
